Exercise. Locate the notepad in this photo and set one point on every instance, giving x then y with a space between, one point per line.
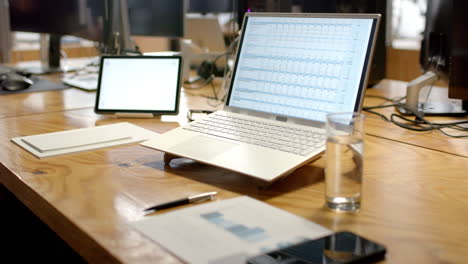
70 141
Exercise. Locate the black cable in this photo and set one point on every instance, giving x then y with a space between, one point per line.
414 125
210 80
379 106
452 123
220 101
419 124
385 98
378 114
453 136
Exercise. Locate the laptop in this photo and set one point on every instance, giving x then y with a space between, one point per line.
290 71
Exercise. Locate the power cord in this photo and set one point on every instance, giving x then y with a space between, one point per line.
207 79
419 124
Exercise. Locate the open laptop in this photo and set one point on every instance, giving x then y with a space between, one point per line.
291 70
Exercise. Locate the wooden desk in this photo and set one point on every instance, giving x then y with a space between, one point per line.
44 102
418 208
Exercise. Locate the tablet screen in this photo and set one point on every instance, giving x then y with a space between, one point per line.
146 84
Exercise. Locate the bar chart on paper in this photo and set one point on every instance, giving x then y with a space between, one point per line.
301 67
253 234
227 231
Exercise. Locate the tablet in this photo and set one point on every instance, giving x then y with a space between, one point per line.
139 84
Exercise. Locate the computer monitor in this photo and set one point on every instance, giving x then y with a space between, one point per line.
84 19
110 22
458 79
156 17
71 17
444 56
212 6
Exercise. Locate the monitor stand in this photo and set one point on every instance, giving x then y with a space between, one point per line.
49 56
50 53
448 107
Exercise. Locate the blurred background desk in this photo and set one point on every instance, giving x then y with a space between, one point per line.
415 194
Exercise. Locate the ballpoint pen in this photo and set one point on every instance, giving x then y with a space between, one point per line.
191 199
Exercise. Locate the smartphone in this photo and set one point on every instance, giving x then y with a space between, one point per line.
338 248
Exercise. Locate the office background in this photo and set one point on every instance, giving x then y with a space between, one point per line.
28 238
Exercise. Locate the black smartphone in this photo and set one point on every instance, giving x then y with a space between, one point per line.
338 248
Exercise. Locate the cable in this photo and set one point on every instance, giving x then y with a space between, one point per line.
377 113
219 101
385 98
414 125
419 124
209 80
381 106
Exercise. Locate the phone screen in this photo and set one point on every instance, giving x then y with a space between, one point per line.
338 248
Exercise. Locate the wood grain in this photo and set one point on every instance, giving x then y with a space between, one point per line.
43 102
415 199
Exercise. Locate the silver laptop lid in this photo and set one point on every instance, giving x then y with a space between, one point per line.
298 67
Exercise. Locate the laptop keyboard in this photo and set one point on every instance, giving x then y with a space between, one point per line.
301 141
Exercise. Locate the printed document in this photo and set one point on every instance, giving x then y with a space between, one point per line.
227 231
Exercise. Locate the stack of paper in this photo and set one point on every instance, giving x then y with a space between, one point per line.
63 142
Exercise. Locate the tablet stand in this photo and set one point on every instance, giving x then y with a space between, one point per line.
134 115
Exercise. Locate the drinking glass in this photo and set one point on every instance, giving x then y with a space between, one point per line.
344 161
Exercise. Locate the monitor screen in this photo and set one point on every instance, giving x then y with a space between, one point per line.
99 20
458 86
72 17
444 49
156 17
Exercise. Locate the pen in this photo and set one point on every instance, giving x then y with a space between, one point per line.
191 199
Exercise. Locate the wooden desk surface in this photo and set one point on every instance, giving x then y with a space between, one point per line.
418 208
44 102
434 140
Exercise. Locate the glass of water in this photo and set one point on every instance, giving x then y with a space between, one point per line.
344 161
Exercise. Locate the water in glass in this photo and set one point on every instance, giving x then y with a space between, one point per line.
344 172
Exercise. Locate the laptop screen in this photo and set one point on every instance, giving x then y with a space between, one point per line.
302 66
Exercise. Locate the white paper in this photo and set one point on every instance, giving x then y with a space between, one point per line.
227 231
63 142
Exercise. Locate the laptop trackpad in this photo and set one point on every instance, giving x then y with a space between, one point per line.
202 147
